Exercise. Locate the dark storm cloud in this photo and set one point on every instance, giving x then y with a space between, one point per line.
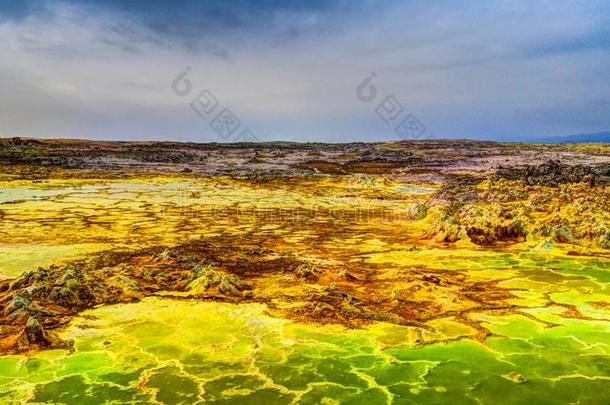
290 68
186 18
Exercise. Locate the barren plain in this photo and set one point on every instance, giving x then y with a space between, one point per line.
405 272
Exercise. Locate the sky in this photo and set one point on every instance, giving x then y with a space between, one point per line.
218 71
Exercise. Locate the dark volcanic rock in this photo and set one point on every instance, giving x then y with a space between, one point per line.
553 173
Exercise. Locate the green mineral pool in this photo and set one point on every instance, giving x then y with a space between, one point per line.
170 351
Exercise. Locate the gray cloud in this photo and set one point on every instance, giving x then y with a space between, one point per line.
289 69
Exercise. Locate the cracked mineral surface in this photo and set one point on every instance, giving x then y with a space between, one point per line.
412 272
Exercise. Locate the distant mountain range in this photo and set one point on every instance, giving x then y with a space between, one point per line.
579 138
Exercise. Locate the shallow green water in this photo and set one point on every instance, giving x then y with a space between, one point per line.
184 351
17 259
